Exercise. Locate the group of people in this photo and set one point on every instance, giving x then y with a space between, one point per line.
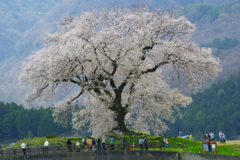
24 145
91 144
211 136
143 143
100 144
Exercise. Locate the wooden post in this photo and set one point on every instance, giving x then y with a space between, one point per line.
28 151
161 146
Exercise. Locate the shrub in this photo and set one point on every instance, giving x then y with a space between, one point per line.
53 135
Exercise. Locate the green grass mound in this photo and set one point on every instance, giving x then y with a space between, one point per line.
176 144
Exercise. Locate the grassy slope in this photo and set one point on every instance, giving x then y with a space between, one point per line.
177 144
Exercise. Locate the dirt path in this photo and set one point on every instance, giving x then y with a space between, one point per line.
229 142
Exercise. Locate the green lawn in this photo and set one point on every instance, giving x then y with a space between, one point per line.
176 144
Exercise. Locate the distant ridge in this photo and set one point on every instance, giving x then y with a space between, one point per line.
25 23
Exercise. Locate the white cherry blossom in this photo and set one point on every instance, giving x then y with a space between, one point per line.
123 61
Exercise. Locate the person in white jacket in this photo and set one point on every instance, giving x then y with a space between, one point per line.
23 145
46 144
77 147
140 141
103 142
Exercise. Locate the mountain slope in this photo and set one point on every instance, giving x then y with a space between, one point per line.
16 18
26 22
221 23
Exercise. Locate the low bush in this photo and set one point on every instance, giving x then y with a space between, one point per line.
53 135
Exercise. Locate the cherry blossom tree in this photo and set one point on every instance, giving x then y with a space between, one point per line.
122 61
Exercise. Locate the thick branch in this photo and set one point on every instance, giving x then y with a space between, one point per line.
82 91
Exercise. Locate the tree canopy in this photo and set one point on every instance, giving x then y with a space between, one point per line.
123 60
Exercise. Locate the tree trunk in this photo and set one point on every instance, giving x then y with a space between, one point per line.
120 118
120 112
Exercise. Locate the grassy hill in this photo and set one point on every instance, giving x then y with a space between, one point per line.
176 144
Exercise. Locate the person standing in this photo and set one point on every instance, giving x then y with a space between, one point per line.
111 143
69 145
223 137
190 137
124 142
140 141
93 144
103 142
209 146
165 141
145 143
220 136
211 135
83 140
23 145
89 144
207 136
46 144
77 147
99 144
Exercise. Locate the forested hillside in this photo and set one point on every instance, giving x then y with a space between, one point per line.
213 110
17 122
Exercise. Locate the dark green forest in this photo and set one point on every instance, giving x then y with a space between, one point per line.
213 110
17 122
